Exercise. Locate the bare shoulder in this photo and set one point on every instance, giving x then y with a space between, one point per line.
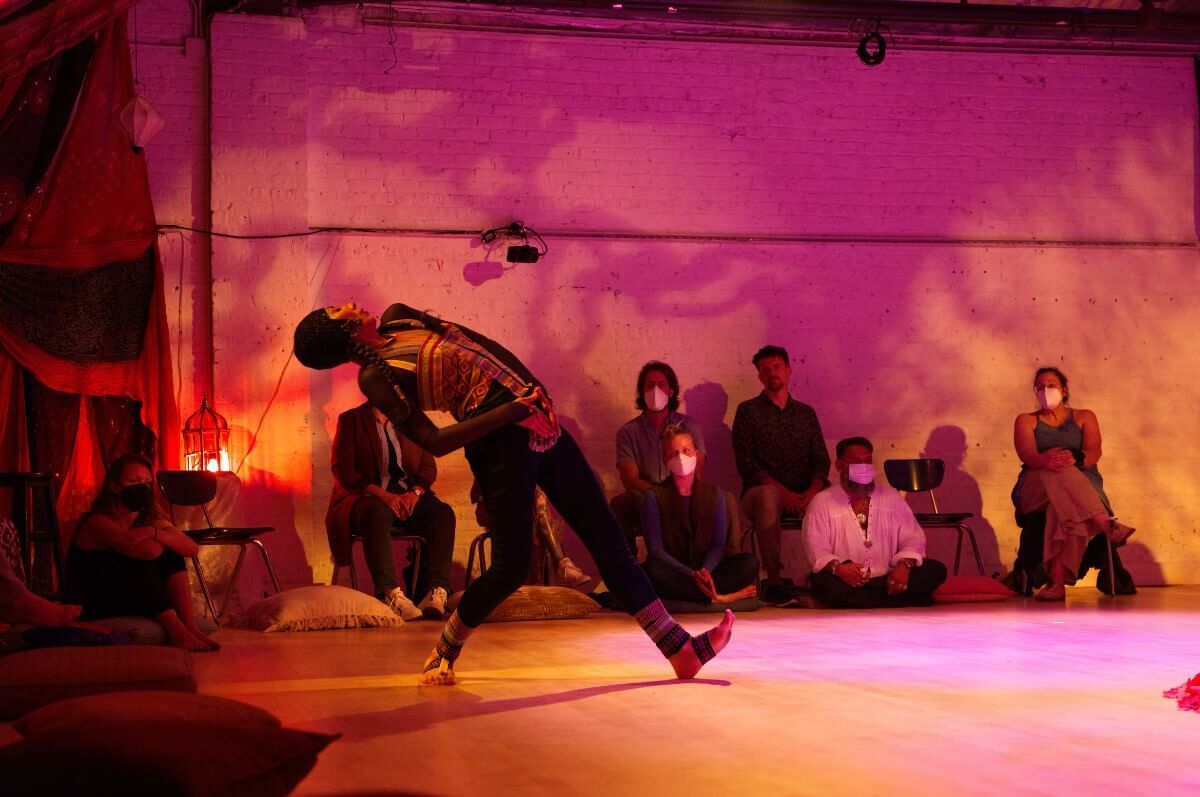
97 531
1084 417
1026 420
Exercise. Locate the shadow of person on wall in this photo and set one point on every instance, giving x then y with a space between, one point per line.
959 492
707 404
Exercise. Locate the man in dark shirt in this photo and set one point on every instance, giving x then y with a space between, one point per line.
781 457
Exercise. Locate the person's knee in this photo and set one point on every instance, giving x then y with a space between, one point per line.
762 504
371 515
443 518
934 573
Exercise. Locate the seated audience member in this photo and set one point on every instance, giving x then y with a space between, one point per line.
547 533
381 479
19 606
781 458
639 443
127 560
866 548
691 553
1059 447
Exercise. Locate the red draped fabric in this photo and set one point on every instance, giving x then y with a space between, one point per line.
81 290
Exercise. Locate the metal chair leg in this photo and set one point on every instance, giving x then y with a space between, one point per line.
476 549
237 568
1112 571
262 549
212 610
974 548
414 552
749 534
958 549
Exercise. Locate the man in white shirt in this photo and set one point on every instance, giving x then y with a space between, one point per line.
866 548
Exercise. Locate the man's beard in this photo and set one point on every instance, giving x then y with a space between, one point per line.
856 489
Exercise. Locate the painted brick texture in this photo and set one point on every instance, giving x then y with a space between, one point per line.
820 179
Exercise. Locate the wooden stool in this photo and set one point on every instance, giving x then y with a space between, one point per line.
37 524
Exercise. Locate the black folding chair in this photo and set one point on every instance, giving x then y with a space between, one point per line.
197 488
924 476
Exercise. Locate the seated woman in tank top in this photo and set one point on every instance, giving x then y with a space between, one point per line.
1059 447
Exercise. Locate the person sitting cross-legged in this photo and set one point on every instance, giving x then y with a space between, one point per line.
691 550
866 548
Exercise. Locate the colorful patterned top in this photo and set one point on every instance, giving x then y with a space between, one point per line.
454 373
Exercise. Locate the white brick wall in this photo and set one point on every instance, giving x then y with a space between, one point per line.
905 342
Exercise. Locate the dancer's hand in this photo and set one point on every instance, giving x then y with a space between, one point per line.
540 403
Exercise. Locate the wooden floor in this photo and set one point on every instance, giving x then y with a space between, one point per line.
1014 699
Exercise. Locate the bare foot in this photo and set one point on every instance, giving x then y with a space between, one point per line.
180 636
733 597
687 663
188 642
196 632
437 671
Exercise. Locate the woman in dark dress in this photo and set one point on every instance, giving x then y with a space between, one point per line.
411 363
127 560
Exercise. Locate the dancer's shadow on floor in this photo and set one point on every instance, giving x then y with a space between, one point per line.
445 704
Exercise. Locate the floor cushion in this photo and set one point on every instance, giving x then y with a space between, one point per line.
971 589
317 608
157 753
543 603
33 678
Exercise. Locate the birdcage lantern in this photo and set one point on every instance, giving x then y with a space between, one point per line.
206 440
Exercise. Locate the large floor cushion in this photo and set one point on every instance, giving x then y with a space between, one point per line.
33 678
543 603
157 743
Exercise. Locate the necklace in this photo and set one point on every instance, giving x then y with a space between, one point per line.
860 507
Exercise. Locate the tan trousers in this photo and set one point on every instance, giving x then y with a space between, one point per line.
763 505
1069 501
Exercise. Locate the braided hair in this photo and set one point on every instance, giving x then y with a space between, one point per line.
322 342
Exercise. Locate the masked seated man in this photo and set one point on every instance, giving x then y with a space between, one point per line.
866 548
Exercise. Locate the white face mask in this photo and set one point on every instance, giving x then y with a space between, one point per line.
1049 397
656 399
861 472
682 465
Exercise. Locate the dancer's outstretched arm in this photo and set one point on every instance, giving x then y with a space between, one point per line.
416 425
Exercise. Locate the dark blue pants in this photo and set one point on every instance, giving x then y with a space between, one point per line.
507 472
